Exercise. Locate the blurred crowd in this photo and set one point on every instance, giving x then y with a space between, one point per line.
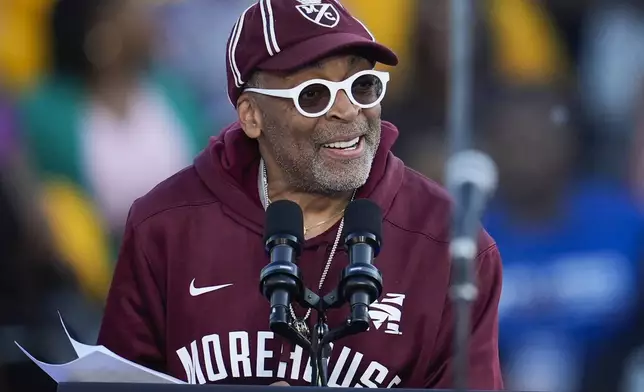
102 99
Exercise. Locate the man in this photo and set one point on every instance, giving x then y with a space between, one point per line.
185 296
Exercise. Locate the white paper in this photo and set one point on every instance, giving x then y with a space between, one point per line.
98 364
80 348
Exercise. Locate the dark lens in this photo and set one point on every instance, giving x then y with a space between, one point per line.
314 98
367 89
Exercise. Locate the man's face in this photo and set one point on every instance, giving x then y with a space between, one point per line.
302 147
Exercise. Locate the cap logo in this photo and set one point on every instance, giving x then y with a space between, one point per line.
322 14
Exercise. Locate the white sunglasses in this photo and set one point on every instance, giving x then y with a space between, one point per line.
314 98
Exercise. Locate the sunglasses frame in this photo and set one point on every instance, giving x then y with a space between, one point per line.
334 88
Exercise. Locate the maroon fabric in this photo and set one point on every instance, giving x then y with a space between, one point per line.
283 35
301 53
203 227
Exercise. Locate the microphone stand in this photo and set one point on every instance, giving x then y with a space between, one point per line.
463 293
357 280
320 353
321 336
463 290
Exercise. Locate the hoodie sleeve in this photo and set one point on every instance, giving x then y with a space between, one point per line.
485 369
134 320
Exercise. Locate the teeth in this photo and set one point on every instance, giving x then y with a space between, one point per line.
351 144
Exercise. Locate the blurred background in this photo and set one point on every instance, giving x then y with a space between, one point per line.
102 99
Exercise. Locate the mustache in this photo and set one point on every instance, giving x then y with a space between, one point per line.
368 128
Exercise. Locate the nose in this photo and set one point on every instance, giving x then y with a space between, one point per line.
342 109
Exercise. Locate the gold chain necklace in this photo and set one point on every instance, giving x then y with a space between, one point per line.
306 229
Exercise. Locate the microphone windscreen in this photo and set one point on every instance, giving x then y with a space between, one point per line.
471 167
363 216
284 217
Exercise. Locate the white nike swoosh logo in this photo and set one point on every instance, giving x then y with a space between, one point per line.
194 291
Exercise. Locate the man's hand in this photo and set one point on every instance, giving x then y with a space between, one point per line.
280 384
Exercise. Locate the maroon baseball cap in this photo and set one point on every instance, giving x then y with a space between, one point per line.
284 35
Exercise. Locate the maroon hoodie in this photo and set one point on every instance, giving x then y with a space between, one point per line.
203 228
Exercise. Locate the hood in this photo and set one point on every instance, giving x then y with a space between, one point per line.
229 167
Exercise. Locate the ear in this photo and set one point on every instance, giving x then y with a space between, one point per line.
250 116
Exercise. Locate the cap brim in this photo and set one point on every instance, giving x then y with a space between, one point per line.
316 48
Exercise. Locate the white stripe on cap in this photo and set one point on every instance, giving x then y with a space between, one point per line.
357 20
366 29
267 38
232 49
338 3
272 26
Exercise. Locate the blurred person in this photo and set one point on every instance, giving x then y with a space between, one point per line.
621 366
301 77
611 71
571 244
107 124
34 280
515 41
420 112
195 34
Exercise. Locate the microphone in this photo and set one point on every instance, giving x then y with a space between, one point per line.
471 178
361 281
281 280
